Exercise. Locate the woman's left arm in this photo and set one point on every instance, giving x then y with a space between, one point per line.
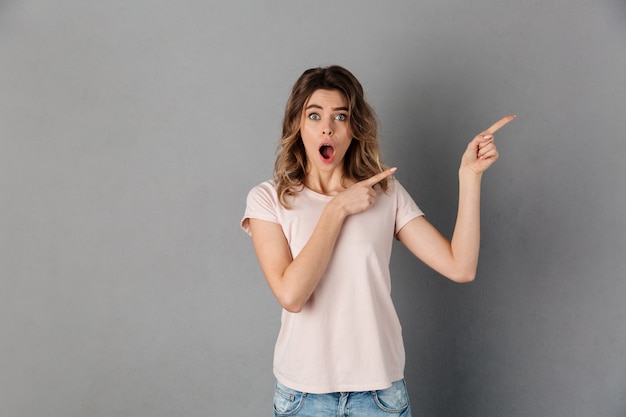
457 259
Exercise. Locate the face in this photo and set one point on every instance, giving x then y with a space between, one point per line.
325 129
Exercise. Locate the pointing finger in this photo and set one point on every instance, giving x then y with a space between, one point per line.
370 182
499 124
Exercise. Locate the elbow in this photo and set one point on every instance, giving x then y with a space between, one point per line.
290 299
292 308
466 279
291 305
463 277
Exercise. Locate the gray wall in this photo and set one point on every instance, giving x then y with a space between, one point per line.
132 131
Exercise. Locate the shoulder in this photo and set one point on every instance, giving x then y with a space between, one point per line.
395 188
263 196
395 194
265 189
261 203
406 208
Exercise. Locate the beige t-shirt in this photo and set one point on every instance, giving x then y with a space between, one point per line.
347 337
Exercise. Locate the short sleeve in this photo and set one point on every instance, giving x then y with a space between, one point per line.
261 203
406 209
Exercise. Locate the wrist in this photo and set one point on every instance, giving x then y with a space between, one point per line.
470 174
336 210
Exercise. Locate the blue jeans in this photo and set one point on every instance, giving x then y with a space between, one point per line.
390 402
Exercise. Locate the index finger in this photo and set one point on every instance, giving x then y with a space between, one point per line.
371 181
499 124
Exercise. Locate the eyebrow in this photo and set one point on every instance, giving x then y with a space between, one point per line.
317 106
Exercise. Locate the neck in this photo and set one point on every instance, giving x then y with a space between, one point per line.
326 182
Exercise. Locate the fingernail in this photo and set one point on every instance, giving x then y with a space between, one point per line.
487 137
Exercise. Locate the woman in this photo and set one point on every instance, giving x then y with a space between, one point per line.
323 229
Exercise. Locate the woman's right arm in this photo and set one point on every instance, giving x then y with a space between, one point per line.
293 280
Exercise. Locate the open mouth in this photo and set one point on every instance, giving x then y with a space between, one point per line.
327 152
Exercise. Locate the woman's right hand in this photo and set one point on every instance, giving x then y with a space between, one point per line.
360 196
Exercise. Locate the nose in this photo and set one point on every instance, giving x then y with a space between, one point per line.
327 130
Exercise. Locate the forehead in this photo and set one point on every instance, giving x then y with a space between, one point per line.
327 98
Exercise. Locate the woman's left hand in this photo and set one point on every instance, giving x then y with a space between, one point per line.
481 151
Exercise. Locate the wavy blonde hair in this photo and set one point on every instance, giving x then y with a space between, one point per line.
362 159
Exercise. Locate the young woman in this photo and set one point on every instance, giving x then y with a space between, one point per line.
323 229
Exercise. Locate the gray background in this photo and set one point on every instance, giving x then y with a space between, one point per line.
132 131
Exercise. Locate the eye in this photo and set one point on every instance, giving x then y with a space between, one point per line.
314 116
341 117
